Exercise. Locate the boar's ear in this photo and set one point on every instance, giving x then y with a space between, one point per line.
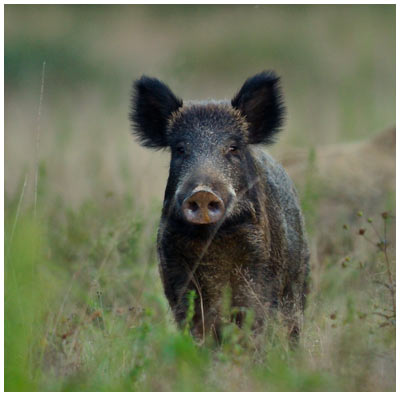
260 101
151 106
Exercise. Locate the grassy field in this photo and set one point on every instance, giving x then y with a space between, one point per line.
84 306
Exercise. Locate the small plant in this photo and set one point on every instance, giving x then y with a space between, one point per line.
379 240
191 296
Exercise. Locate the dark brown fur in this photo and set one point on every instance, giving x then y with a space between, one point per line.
258 251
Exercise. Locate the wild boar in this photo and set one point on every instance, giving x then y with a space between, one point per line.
231 219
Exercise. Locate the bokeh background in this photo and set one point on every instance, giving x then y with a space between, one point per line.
337 66
82 199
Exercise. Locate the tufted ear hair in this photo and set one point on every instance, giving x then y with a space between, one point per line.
260 102
151 105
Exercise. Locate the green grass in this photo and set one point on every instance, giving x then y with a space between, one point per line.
84 305
85 311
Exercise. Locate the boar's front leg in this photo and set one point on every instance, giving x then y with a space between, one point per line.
177 285
293 309
178 282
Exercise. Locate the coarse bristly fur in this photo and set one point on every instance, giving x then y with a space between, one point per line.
152 97
260 101
258 249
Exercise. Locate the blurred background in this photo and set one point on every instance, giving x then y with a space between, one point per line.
82 199
337 65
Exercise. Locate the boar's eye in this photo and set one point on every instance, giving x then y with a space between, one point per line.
233 151
180 149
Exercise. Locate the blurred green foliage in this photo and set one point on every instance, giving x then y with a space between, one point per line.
85 311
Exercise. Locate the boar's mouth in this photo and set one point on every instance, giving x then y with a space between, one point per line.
236 213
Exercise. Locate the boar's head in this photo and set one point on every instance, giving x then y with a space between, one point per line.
212 168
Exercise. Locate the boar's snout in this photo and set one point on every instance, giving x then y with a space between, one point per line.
203 207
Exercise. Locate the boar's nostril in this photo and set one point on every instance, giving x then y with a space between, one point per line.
214 206
193 206
203 207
